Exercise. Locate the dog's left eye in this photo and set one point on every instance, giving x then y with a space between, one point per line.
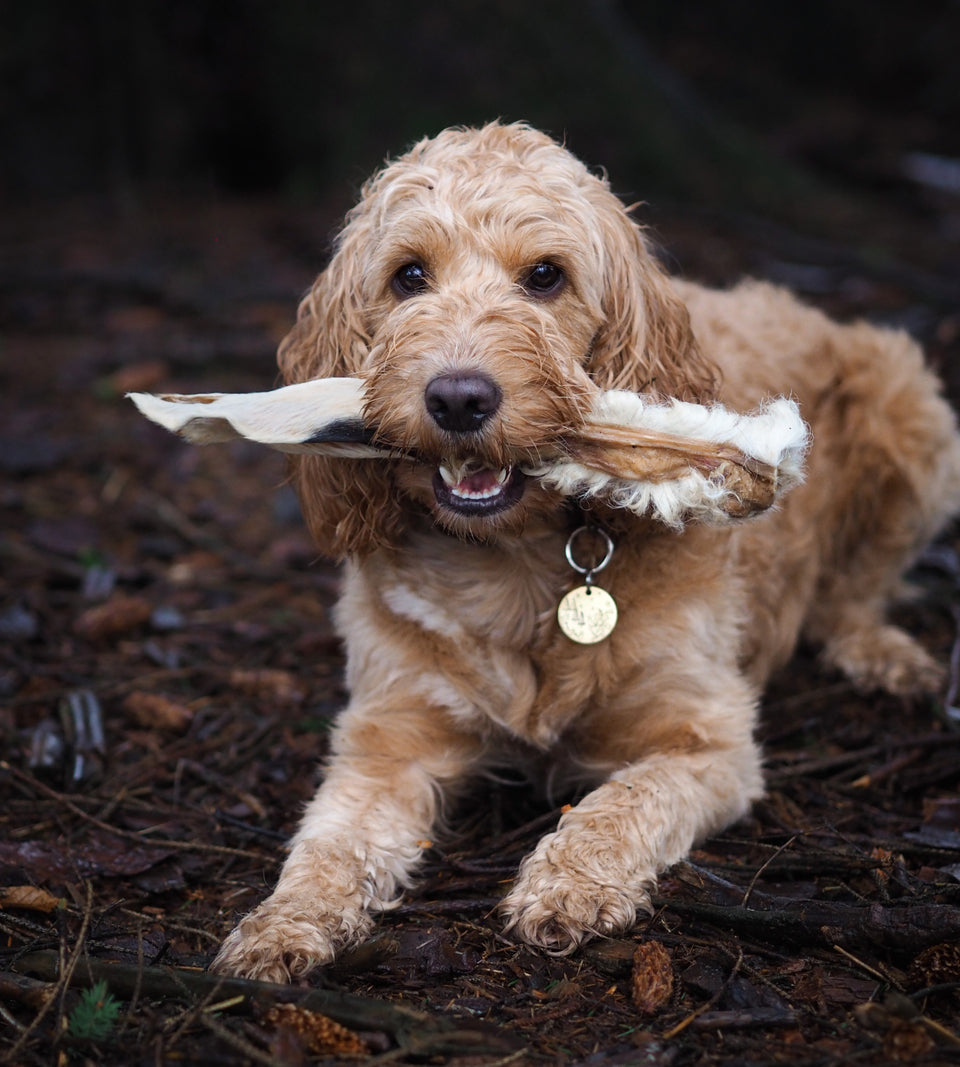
409 280
543 279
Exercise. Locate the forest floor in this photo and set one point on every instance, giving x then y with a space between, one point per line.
168 674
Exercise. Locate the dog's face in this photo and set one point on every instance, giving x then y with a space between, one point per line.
482 301
486 286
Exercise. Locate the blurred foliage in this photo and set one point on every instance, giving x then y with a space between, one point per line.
694 100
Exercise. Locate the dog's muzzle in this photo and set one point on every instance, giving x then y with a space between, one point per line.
461 403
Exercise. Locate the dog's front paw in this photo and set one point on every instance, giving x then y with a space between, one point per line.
281 940
558 903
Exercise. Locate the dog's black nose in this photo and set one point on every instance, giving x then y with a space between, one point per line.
461 403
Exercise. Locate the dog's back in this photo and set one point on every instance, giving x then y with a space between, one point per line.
883 478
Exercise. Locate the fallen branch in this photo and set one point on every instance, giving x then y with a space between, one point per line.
24 989
903 928
409 1028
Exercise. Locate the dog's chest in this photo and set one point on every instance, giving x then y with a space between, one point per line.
485 634
503 597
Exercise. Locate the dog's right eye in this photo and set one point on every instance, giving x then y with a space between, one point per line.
409 280
543 279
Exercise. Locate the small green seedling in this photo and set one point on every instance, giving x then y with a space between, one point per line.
95 1015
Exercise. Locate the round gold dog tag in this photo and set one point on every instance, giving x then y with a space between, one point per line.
587 614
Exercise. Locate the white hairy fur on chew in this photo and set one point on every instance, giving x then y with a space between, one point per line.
291 419
776 435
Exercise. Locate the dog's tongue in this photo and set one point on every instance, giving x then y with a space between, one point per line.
474 483
479 482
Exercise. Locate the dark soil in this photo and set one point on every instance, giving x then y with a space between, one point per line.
170 596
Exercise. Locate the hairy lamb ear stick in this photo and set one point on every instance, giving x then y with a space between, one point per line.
675 461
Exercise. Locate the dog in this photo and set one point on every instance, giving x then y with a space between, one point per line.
485 287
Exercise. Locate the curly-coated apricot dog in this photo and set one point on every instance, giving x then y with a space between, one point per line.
486 285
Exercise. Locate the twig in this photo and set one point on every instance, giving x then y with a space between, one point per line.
814 695
763 866
843 759
135 997
872 971
240 1044
887 770
127 835
497 845
684 1023
512 1058
11 1019
446 907
170 515
934 990
741 1020
170 924
194 1011
943 1032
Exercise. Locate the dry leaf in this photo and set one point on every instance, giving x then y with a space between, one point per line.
29 898
652 982
281 687
118 615
155 712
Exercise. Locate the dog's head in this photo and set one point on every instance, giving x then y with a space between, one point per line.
486 286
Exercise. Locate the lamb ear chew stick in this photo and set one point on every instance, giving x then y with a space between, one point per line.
681 462
673 461
646 456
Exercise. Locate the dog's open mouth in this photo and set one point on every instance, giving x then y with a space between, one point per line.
471 490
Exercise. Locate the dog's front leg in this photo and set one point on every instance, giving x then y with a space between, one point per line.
595 872
358 843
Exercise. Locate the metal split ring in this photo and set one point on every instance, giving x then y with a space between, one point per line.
589 571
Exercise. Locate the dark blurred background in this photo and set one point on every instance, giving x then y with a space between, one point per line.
172 171
732 105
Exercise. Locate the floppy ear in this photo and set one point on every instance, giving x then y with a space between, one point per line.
646 342
347 503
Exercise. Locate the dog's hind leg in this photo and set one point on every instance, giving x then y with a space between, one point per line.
897 448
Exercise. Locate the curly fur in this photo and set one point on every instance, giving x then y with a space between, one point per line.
455 661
